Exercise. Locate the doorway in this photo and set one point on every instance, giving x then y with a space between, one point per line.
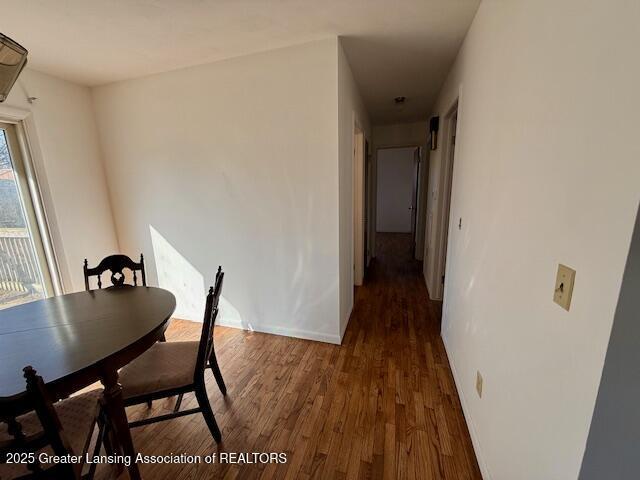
359 250
368 176
398 173
445 221
24 272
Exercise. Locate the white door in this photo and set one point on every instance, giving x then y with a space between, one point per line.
396 190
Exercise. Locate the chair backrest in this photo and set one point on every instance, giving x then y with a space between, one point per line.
116 264
49 434
210 314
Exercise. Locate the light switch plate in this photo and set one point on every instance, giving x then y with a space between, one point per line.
565 279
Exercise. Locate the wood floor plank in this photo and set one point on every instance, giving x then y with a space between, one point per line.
381 405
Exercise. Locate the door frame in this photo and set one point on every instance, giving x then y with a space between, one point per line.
367 204
358 251
39 194
444 214
417 167
420 183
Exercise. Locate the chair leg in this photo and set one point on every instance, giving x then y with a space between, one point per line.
213 364
102 429
176 409
108 442
149 403
110 446
207 413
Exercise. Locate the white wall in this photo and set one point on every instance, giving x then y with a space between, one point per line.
395 189
234 163
546 171
70 171
350 109
400 134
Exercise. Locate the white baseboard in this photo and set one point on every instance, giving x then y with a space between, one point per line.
484 471
284 331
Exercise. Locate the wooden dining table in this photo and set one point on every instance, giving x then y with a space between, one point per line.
75 340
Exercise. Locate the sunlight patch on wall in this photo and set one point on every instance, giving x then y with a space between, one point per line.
177 275
229 315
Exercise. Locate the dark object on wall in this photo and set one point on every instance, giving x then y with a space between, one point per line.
13 58
434 124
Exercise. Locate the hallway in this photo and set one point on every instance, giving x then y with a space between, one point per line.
382 405
397 329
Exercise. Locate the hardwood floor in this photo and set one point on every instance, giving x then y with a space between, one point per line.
382 405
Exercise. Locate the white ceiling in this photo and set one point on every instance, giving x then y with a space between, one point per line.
395 47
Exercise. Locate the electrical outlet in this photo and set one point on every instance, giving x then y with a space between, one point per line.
479 383
565 279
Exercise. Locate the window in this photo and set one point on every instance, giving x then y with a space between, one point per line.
24 272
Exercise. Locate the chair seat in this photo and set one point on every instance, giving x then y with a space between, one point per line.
165 366
77 416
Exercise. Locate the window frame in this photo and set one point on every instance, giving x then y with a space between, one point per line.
30 188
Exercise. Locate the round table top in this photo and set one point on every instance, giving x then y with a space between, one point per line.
70 334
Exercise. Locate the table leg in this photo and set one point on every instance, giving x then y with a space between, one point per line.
117 416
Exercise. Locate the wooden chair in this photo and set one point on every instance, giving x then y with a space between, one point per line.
212 363
65 428
116 264
176 368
